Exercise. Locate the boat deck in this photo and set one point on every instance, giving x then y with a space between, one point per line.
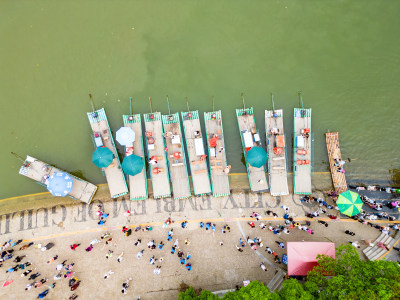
217 156
195 148
115 177
137 183
160 181
332 145
302 173
257 177
277 163
40 171
174 143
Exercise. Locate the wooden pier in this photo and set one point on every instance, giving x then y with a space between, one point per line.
41 171
115 177
196 153
217 155
156 148
176 156
250 137
276 148
335 157
302 151
137 183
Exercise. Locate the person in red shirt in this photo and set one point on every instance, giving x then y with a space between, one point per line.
74 246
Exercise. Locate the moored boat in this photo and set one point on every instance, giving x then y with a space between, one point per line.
254 155
276 148
302 150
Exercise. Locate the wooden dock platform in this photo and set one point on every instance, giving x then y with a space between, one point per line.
276 148
115 177
137 183
332 145
158 171
250 137
196 153
41 171
177 164
217 155
302 143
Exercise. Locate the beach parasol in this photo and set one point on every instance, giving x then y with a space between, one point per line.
132 165
349 203
257 157
125 136
59 184
102 157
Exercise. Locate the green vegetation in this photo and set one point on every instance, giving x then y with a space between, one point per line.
346 277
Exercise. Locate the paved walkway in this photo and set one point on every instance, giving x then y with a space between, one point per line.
214 267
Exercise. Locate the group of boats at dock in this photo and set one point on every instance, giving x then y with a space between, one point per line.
169 146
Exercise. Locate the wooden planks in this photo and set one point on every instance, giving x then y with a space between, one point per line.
160 181
257 178
217 162
302 173
198 164
277 163
115 177
137 183
333 148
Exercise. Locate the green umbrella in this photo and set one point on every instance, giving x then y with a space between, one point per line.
132 165
257 157
102 157
349 203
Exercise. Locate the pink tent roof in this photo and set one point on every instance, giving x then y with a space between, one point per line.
302 256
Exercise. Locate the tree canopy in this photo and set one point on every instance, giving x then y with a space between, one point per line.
353 278
343 277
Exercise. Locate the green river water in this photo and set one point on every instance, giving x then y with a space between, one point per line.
343 55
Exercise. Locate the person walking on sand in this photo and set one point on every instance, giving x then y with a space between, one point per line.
52 259
109 254
119 258
139 254
74 246
262 265
108 274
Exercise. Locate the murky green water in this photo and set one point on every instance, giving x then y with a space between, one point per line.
344 55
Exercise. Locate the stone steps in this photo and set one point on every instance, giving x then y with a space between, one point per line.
277 281
375 252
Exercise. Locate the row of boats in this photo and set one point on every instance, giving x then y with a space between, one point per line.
166 148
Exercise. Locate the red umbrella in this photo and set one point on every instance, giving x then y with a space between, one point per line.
156 171
177 155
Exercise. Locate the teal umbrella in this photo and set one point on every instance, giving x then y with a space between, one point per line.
349 203
132 165
257 157
102 157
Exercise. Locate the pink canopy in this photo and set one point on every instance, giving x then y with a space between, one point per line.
302 256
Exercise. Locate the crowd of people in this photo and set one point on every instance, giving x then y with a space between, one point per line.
14 259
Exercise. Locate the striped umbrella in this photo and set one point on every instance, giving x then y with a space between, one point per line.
349 203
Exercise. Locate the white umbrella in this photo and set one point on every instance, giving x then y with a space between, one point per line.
125 136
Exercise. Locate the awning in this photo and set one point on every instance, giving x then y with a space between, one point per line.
302 256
